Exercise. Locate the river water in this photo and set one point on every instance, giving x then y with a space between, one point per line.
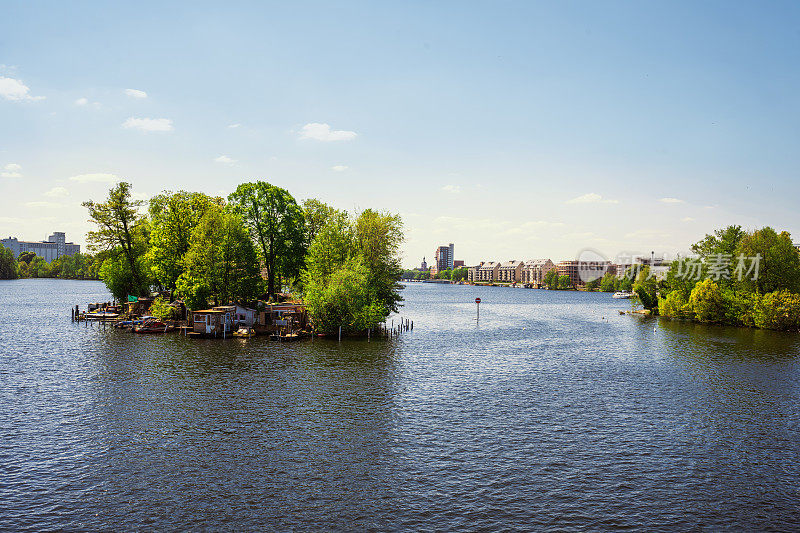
553 412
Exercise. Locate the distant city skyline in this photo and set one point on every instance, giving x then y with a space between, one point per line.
514 130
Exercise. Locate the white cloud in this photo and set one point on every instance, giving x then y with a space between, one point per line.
94 178
57 192
11 170
135 93
234 125
455 189
42 204
591 198
323 132
225 159
671 201
339 168
687 219
13 89
148 124
81 101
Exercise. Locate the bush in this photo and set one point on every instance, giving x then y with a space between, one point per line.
344 300
675 306
739 307
161 309
707 302
778 310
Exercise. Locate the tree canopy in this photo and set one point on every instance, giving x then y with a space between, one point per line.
276 223
124 233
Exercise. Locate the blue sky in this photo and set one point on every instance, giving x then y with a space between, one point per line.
514 130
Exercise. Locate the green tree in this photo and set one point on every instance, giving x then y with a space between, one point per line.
161 309
724 241
778 310
460 273
608 283
645 288
26 257
122 232
682 276
378 236
352 269
276 224
221 263
707 302
316 215
564 282
344 300
173 217
779 263
675 305
8 264
551 279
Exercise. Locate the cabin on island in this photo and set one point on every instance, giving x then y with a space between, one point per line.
488 271
277 316
246 316
137 306
217 321
534 271
510 271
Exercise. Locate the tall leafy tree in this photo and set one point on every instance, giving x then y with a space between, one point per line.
276 224
778 264
352 271
316 214
8 264
221 263
173 218
723 241
378 236
123 232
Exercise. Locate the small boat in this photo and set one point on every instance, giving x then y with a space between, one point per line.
624 295
151 326
244 332
100 315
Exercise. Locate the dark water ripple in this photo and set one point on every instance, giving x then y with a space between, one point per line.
554 413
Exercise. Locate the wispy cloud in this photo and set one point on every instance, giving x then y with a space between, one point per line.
591 198
455 189
135 93
95 178
225 160
57 192
339 168
148 124
11 170
687 219
671 200
14 89
323 132
234 125
84 102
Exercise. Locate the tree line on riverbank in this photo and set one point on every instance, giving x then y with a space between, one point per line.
738 278
30 265
455 274
251 246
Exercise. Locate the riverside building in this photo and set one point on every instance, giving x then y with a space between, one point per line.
54 247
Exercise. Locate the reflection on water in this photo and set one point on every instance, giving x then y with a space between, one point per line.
551 412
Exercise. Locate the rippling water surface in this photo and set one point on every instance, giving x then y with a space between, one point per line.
554 412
